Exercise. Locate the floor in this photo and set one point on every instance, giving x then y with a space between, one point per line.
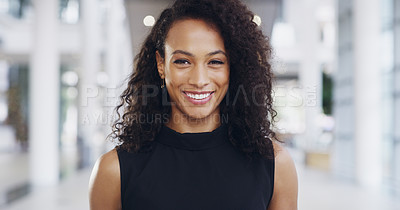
318 190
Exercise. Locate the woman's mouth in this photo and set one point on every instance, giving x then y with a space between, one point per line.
198 98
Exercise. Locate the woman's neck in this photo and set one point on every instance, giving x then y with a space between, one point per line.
183 123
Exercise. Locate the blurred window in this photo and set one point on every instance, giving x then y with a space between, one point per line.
69 11
16 8
388 50
21 9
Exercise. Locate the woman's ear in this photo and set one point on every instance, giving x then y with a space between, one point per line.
160 65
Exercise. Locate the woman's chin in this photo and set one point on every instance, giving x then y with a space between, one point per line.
198 116
198 113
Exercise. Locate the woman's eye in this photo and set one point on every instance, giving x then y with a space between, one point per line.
216 62
181 62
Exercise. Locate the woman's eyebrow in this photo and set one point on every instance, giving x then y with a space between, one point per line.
191 55
216 52
182 52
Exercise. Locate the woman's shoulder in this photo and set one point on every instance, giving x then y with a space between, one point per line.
107 167
284 164
108 163
285 182
104 185
282 155
109 159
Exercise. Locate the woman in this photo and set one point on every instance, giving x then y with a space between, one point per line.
196 128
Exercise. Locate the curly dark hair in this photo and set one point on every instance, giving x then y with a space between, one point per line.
248 101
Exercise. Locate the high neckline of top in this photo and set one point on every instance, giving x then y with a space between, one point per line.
193 141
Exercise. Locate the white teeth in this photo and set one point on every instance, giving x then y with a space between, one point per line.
198 96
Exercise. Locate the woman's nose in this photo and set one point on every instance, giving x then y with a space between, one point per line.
199 76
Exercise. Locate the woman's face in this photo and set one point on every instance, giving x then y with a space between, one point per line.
195 68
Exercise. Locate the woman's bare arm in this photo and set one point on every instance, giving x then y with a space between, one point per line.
105 185
285 183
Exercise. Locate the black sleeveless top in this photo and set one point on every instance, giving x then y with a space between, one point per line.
194 171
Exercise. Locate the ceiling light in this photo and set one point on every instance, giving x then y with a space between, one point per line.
257 20
149 21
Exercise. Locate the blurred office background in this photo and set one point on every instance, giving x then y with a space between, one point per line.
63 64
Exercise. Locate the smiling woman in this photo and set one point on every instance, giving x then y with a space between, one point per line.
202 82
196 72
